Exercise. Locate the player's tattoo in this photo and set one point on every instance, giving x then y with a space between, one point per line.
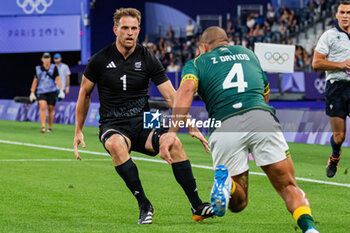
244 182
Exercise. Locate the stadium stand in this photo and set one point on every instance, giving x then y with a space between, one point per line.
282 25
289 24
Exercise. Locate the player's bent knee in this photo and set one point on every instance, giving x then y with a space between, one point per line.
116 145
177 145
177 151
238 207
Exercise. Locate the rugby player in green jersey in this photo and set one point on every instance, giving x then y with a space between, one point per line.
235 90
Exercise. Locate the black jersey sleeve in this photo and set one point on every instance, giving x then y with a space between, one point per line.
55 72
34 73
92 71
157 71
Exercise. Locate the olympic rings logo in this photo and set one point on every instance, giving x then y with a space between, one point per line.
29 6
276 57
320 85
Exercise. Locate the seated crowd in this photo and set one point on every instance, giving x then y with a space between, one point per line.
273 27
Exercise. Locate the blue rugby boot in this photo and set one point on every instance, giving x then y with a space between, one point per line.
221 191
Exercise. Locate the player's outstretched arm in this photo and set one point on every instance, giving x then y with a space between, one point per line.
184 98
181 107
83 104
194 132
320 63
168 92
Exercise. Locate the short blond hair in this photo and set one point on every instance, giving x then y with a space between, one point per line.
126 12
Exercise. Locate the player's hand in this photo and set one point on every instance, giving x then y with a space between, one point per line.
345 64
78 138
166 143
67 90
194 132
32 97
61 95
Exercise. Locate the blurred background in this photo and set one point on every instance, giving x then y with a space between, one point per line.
170 29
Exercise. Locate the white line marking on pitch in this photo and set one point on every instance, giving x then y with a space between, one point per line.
159 161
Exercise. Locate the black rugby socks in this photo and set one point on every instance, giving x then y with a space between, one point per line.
184 176
129 173
335 148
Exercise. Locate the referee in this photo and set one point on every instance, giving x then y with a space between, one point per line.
332 54
122 72
44 85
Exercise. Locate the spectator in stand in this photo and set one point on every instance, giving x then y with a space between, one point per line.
283 31
270 15
321 7
161 44
164 58
192 44
145 42
312 6
177 45
172 67
276 35
189 30
293 21
245 42
185 50
158 54
251 31
299 59
269 30
284 19
170 34
230 41
250 22
180 57
230 30
168 47
238 40
302 60
258 30
266 26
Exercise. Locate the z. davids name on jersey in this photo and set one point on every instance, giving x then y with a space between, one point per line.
233 57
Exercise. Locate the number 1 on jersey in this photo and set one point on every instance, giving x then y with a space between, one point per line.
124 81
240 83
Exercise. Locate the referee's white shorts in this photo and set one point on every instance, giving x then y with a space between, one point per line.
256 132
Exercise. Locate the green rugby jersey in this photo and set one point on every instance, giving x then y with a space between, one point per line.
230 81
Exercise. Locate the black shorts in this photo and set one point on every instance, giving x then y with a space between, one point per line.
50 97
132 128
338 99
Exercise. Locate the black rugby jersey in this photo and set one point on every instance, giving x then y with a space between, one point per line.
123 84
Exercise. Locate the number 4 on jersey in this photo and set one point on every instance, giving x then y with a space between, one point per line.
240 83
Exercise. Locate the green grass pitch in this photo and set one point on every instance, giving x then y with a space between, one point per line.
47 190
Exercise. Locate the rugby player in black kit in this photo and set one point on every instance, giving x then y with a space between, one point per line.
122 72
